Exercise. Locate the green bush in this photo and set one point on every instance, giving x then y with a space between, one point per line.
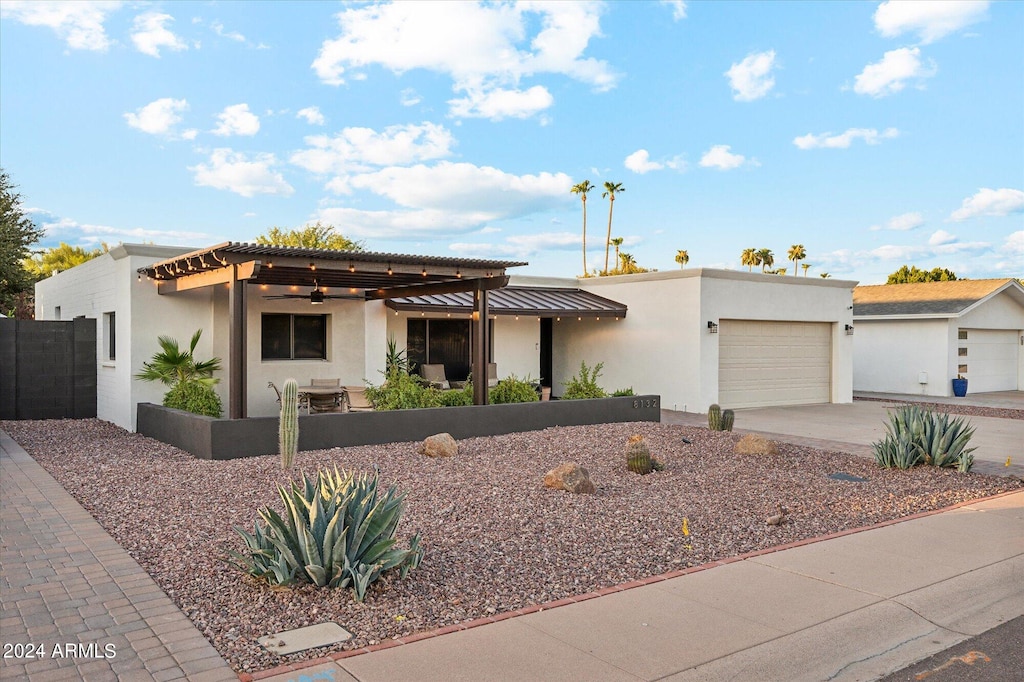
919 436
514 390
195 397
400 391
457 397
336 532
623 392
584 385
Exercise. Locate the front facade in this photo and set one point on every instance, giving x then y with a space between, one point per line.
917 338
695 337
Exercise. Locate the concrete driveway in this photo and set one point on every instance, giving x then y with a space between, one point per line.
853 427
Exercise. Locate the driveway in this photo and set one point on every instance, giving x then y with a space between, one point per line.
853 427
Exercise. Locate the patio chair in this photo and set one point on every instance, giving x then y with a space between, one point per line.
355 397
435 376
492 374
325 403
301 398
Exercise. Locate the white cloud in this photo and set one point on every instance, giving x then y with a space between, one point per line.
844 140
891 252
903 222
890 75
409 98
931 20
237 120
519 246
78 24
990 202
940 237
312 115
159 117
721 158
481 47
68 230
359 149
218 28
236 172
640 162
752 78
678 8
1015 244
150 34
498 103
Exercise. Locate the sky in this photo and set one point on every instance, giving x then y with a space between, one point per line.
874 134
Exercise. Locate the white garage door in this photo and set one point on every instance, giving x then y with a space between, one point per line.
991 360
773 363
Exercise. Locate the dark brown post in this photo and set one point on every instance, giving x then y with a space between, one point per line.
236 346
480 344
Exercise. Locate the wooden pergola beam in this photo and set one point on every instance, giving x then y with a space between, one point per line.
222 275
480 284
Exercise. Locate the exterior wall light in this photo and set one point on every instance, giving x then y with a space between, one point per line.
849 330
712 327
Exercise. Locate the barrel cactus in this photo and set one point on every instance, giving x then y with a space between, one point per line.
728 419
288 427
638 457
715 418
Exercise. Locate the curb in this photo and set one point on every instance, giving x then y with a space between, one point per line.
537 608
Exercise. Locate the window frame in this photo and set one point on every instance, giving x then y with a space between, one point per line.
325 339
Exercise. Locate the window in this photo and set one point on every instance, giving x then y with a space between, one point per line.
294 337
962 352
110 327
962 334
961 369
444 342
56 312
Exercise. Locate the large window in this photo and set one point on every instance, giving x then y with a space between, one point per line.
444 342
294 337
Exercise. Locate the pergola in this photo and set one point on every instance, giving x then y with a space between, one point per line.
360 275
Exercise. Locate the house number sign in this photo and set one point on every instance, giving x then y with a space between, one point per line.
645 402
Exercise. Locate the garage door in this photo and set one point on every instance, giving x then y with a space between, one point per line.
991 359
773 363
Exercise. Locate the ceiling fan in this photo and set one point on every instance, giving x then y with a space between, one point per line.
316 296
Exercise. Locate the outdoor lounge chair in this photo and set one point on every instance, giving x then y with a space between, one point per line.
435 376
356 398
492 374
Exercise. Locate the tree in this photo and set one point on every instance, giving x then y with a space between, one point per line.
582 188
172 366
628 265
806 267
17 234
617 242
610 190
765 258
749 258
311 237
825 275
910 275
59 259
682 257
796 253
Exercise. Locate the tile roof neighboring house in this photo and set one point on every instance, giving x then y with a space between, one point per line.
938 299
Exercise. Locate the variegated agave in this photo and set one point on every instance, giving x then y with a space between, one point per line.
917 435
336 531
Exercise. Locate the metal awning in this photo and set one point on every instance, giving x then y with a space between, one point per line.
535 301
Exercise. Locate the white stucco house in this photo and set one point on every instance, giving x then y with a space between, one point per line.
916 338
695 337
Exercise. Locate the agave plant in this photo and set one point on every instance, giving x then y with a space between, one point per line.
336 531
918 435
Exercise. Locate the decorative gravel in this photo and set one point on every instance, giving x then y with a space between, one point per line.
495 539
954 408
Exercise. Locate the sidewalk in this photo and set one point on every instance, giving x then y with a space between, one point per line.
66 585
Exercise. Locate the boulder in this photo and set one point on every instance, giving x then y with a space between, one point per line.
753 444
439 445
571 477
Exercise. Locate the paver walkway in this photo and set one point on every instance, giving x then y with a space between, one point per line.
87 608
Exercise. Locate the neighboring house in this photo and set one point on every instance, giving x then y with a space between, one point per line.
694 337
916 338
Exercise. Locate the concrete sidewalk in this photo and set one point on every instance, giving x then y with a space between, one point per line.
854 607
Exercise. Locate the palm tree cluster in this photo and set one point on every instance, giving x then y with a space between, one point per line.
610 190
766 259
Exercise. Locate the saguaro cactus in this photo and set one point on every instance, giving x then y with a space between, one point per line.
288 426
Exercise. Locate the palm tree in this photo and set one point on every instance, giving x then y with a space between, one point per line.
806 267
172 366
825 275
582 188
682 257
610 189
617 242
797 253
749 258
627 264
765 259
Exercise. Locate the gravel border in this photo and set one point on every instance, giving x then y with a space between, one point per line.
954 408
495 539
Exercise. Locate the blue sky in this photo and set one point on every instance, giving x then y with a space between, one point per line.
876 135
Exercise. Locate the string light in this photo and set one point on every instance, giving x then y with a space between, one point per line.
312 265
351 268
424 273
390 271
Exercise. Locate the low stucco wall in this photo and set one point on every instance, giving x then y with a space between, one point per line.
209 438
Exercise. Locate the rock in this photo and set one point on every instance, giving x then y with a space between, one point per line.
439 445
778 519
571 477
753 444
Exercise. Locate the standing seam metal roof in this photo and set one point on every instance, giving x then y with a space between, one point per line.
540 301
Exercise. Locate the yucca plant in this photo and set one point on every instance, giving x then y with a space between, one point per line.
336 531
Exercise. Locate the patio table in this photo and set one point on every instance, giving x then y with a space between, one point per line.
306 391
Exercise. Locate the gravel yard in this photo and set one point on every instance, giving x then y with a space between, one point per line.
495 539
954 408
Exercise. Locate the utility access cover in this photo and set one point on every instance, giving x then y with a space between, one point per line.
290 641
840 476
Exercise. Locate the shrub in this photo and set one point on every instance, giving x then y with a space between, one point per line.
336 532
400 391
514 390
623 392
915 435
457 397
584 385
195 397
